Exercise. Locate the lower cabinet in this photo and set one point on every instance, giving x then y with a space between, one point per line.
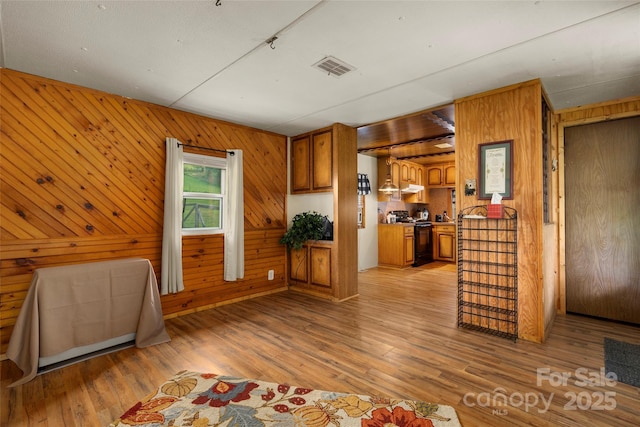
320 263
396 245
310 267
444 248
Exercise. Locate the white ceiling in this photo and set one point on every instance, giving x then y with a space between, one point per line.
409 55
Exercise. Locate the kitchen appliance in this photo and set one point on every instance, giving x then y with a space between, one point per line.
424 215
401 216
423 243
438 218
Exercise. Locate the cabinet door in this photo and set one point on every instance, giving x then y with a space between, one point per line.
322 161
404 172
434 175
298 265
320 266
300 165
409 249
413 178
395 178
420 196
446 246
450 175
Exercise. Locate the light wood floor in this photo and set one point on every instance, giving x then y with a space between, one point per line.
397 339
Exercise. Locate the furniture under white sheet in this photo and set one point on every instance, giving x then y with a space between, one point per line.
79 305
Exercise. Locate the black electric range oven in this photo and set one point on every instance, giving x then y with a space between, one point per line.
423 243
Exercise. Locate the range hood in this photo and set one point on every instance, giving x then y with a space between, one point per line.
412 188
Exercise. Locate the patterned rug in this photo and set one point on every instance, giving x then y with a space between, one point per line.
200 400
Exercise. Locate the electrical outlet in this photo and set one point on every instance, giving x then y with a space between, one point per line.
270 275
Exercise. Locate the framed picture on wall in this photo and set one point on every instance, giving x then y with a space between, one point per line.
495 170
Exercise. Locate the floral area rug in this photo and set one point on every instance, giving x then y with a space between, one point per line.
201 400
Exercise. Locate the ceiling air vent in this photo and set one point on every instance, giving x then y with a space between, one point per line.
333 66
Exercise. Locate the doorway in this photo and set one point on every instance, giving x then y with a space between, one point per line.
602 235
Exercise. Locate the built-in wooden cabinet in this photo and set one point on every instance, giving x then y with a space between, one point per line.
444 239
403 173
320 265
396 245
441 175
325 160
310 267
386 166
421 196
312 163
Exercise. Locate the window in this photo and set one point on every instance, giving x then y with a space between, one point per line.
203 194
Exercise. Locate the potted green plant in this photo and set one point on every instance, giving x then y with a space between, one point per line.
305 226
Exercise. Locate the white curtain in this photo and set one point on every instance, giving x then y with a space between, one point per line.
171 276
234 219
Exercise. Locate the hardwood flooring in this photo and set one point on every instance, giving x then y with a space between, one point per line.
398 338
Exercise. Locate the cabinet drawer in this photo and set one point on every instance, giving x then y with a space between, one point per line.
446 228
408 230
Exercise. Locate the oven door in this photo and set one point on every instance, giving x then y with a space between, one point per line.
423 244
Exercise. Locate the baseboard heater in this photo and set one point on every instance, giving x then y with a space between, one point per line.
68 308
78 354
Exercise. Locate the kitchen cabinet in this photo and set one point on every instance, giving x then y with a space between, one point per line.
441 175
422 195
444 248
396 245
403 173
312 163
383 170
408 172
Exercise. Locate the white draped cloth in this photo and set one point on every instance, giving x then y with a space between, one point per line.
234 219
171 280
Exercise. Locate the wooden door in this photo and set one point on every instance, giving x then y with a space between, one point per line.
434 175
298 265
602 196
323 161
395 179
409 246
320 266
300 165
450 175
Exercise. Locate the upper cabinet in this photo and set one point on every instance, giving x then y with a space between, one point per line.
441 175
388 166
417 177
403 174
312 163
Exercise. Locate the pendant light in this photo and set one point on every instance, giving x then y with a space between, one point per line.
388 187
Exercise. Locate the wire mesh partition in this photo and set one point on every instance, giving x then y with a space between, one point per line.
488 271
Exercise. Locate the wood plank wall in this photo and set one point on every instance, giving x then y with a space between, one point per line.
511 113
82 180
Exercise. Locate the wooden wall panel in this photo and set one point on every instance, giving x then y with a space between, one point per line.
83 180
510 113
616 109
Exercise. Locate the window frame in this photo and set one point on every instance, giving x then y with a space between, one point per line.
213 162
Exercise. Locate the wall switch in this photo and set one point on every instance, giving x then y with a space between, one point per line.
270 275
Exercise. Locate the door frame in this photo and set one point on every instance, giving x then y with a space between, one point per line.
562 278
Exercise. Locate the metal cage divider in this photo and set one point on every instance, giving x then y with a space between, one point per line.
488 272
